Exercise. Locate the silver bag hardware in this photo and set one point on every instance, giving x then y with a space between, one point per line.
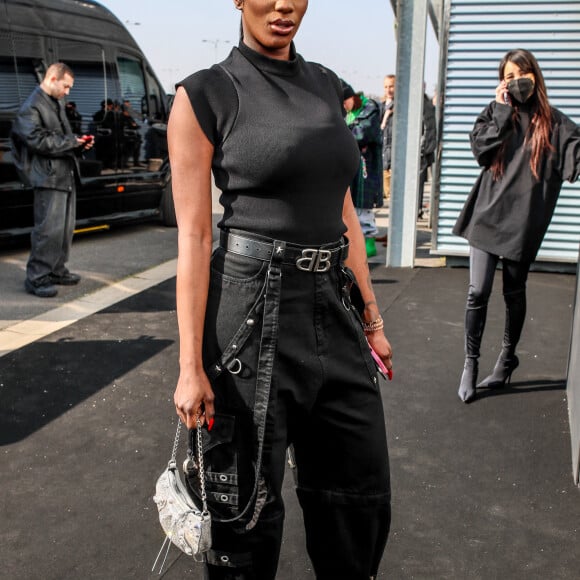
184 524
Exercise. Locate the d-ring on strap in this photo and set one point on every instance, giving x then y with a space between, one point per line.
228 358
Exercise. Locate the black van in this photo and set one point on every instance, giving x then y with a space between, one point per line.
116 97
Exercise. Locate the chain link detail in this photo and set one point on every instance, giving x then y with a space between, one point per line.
199 449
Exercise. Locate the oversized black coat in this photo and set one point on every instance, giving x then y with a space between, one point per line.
509 217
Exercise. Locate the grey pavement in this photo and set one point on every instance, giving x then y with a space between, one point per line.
481 491
98 263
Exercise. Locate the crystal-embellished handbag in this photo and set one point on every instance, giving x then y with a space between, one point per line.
185 524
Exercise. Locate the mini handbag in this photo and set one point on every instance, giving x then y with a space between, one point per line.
184 523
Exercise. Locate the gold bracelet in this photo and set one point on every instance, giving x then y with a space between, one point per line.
373 325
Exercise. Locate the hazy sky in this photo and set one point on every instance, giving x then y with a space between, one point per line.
353 38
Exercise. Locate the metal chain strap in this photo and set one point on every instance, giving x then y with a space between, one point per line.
176 442
199 459
200 466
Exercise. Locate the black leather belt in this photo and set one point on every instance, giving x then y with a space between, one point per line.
305 258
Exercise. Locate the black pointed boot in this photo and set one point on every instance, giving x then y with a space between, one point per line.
475 317
507 361
502 371
467 390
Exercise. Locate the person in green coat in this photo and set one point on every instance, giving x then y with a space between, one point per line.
364 120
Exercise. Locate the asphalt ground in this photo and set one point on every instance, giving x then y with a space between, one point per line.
480 491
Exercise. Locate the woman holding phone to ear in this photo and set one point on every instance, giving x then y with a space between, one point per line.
527 148
271 351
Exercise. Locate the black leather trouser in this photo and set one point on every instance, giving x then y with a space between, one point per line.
324 400
482 266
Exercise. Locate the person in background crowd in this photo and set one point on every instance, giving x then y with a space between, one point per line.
363 119
526 148
74 118
387 110
428 139
271 352
428 146
131 137
106 121
43 148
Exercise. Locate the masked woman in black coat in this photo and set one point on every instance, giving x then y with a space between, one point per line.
527 149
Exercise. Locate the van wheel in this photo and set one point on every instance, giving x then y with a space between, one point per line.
167 207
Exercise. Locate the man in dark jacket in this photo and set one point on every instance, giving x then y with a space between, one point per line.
387 109
428 146
428 138
43 148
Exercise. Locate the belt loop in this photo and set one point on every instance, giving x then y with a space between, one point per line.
279 248
275 266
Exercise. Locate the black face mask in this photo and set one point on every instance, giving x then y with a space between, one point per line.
521 89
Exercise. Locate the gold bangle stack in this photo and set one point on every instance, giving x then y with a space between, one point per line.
373 325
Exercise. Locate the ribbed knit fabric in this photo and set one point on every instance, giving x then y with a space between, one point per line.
284 156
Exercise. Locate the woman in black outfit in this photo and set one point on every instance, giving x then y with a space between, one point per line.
272 353
527 149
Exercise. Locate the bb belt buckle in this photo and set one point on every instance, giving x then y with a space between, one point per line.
314 260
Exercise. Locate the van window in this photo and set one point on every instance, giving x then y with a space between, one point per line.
155 102
98 98
132 83
95 80
91 88
17 80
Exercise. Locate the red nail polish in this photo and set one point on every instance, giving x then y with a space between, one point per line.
210 424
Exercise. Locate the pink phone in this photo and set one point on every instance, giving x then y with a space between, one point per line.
387 373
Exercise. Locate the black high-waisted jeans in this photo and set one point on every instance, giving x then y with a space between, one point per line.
301 374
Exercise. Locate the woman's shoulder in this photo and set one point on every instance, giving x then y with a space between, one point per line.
206 80
561 118
214 100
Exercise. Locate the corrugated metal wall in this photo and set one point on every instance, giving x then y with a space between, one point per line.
479 33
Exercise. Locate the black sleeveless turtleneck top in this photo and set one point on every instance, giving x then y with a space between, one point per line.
284 156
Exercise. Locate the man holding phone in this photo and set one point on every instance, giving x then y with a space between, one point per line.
43 149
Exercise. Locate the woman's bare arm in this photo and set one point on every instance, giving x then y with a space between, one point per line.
357 262
190 154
